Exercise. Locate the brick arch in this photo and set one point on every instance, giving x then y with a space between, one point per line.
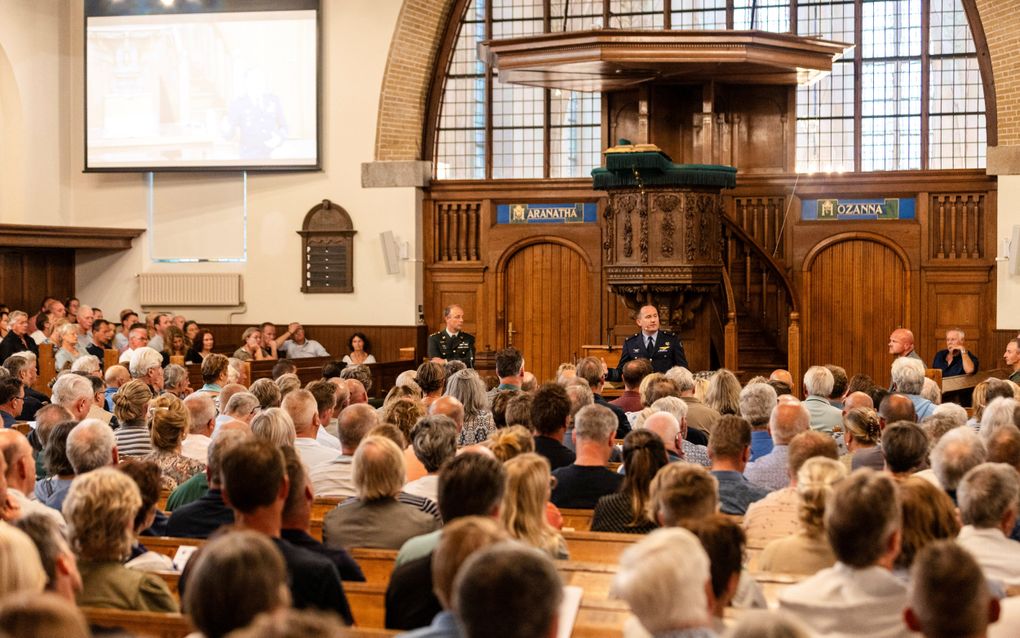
403 99
422 24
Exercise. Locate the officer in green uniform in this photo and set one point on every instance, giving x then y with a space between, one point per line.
450 343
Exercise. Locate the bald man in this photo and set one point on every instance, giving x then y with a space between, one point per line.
901 344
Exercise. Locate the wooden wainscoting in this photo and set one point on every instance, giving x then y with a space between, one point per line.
386 340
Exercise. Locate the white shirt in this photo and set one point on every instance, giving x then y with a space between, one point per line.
156 343
313 453
125 357
334 479
426 487
196 446
998 556
38 337
310 348
327 439
842 601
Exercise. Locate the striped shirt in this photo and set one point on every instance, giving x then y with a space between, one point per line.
426 505
133 440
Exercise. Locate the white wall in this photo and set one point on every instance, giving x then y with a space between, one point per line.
1007 316
44 41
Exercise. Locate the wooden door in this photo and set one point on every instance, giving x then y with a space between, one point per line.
858 292
29 274
548 305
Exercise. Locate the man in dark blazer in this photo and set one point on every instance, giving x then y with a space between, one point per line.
662 348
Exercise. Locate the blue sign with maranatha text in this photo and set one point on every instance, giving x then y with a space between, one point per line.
858 209
586 213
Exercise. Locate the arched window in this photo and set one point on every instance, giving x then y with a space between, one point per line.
908 96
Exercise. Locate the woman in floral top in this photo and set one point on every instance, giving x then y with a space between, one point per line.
467 387
168 425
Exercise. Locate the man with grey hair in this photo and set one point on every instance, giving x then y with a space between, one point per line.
997 413
74 393
241 406
434 441
953 411
85 319
818 382
146 364
700 416
304 412
580 395
757 400
335 478
859 596
988 498
958 452
175 380
687 450
908 379
788 419
22 367
90 446
202 412
1004 446
665 579
89 364
581 484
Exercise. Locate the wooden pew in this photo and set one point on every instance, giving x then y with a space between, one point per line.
376 564
139 623
322 505
172 580
47 368
598 547
576 520
167 545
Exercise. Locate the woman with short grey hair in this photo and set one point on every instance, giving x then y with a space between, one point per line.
275 425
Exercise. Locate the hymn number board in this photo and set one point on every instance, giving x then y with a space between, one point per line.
327 250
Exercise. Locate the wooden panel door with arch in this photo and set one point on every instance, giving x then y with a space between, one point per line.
858 292
548 305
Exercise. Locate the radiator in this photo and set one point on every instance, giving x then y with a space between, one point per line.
163 289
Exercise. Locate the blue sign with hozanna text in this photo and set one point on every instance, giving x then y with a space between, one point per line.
858 209
586 213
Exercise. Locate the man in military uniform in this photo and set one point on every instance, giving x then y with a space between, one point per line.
451 343
662 348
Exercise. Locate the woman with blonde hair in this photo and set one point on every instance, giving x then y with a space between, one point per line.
467 387
169 422
723 393
862 431
523 514
403 413
275 425
100 510
251 346
809 551
130 406
69 350
507 443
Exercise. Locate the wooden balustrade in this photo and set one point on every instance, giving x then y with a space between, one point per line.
957 225
457 231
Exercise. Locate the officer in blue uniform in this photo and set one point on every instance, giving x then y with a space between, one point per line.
450 343
662 348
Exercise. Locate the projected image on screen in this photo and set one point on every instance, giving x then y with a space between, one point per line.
209 90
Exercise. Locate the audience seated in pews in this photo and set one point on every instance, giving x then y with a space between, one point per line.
626 511
729 449
100 509
434 442
336 478
523 513
231 580
303 411
777 515
757 400
771 471
859 596
550 413
255 486
376 518
664 578
948 594
201 423
583 483
818 383
197 511
168 425
988 497
467 387
808 551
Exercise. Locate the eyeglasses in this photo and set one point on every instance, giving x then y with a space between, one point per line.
21 398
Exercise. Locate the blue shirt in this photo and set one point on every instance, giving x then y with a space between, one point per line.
444 625
761 443
109 398
736 492
956 367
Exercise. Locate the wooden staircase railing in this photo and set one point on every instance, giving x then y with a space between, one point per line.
761 288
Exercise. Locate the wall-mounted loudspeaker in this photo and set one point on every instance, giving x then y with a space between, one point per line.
391 252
